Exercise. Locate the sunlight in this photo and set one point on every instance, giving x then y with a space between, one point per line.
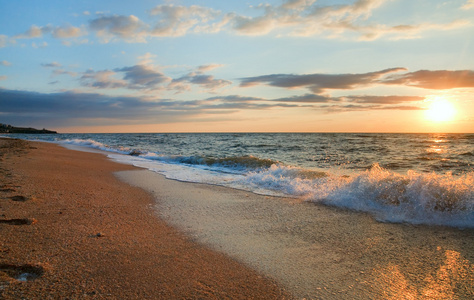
452 276
441 110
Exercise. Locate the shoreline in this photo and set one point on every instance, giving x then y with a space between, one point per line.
316 251
92 236
308 250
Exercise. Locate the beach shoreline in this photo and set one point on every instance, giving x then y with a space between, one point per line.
298 249
70 229
316 251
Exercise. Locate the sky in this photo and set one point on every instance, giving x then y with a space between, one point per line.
238 66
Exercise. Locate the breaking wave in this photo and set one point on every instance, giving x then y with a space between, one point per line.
233 163
414 197
90 143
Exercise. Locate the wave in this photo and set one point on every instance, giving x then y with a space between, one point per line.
89 143
416 198
235 163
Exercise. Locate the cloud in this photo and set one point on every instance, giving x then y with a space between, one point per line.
52 65
319 83
179 20
3 77
73 108
321 102
236 102
308 98
67 32
236 98
57 32
346 103
308 18
57 69
64 72
102 80
129 28
70 108
137 77
205 68
199 78
468 5
147 77
383 99
3 40
256 25
143 77
34 32
398 32
41 45
302 18
357 107
436 80
5 63
297 4
169 21
146 59
206 81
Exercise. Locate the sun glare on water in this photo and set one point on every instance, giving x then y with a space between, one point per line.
441 110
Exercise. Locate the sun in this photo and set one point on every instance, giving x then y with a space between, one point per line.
441 111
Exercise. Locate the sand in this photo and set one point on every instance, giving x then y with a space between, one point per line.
69 229
93 236
315 251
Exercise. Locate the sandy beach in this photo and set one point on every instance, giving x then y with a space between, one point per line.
70 230
74 228
315 251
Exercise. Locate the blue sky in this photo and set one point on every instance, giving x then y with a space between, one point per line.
282 65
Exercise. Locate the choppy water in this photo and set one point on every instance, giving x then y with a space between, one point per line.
413 178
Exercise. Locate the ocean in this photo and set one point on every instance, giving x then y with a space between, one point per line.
398 178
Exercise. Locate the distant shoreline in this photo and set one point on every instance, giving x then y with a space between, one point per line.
5 128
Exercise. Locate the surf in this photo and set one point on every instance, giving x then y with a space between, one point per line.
322 169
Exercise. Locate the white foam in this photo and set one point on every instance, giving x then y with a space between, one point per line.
89 143
180 172
414 198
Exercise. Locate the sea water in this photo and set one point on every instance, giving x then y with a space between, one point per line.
403 178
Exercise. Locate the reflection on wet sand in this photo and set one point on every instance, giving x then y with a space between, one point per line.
454 277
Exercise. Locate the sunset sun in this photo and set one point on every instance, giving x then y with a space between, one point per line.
440 111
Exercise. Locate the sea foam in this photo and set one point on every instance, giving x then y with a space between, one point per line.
413 197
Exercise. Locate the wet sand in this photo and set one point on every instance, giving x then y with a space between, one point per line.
95 237
315 251
69 229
